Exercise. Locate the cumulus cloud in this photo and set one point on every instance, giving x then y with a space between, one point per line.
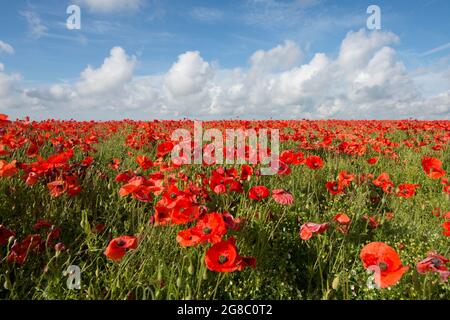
116 70
109 6
365 79
6 47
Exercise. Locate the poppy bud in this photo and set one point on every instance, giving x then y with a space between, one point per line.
179 282
205 275
335 284
191 269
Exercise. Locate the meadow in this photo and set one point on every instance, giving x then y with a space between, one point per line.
357 210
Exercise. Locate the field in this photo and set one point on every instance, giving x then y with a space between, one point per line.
357 210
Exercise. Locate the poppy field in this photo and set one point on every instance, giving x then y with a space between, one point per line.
356 210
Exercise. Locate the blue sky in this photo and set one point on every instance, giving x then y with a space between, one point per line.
154 34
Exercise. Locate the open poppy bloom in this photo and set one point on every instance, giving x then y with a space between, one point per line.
434 263
334 187
407 190
433 167
372 161
224 257
7 169
118 247
164 148
144 162
5 234
258 193
384 181
308 229
385 261
446 227
314 162
281 196
342 218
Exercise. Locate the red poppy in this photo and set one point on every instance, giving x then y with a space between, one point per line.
246 172
308 229
334 187
57 188
188 238
433 167
20 250
446 215
314 162
434 263
383 181
373 223
224 257
446 227
231 222
164 148
144 162
258 193
372 161
8 169
282 196
385 261
211 227
407 190
118 247
342 218
114 164
5 234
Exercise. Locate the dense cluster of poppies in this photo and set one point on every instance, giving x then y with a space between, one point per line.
179 197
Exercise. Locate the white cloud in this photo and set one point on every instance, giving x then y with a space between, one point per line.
116 70
37 28
280 58
6 47
109 6
364 80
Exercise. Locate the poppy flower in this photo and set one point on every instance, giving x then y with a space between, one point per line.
118 247
5 234
282 196
144 162
432 167
314 162
308 229
57 188
342 218
258 193
434 263
20 250
224 257
407 190
385 261
211 227
446 215
114 164
372 161
446 227
8 169
334 187
231 222
373 223
164 148
246 172
383 181
188 238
